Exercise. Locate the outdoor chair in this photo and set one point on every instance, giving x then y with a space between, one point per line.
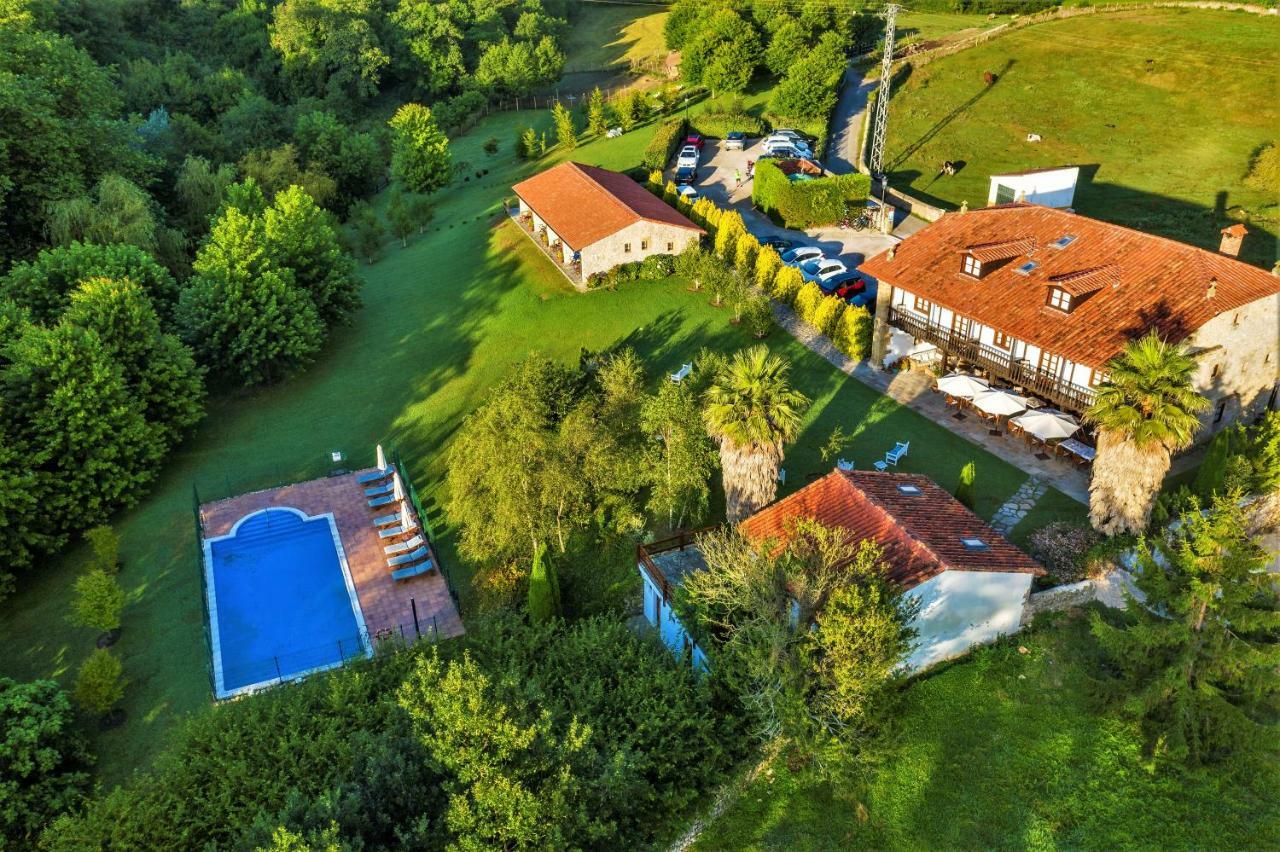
404 527
407 558
401 547
387 520
379 490
413 570
892 457
374 476
379 502
682 374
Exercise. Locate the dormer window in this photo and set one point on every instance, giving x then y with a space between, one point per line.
1060 299
972 266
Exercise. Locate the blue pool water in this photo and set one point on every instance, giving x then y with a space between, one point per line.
280 601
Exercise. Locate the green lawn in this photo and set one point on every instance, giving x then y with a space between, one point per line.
442 322
604 35
1005 751
923 27
1163 109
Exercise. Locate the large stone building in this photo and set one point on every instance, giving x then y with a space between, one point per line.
970 582
593 219
1044 298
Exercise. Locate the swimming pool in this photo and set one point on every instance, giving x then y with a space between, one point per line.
281 601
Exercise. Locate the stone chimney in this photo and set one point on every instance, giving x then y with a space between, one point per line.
1232 237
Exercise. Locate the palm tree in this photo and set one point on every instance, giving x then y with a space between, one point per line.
1144 411
752 410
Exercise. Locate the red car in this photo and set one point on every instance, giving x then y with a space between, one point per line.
696 140
850 287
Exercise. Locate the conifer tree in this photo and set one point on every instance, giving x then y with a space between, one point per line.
542 598
597 121
566 135
965 487
1197 665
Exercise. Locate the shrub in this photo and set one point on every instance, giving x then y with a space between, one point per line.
542 606
852 334
491 146
666 139
804 204
43 758
1064 549
728 230
657 266
670 194
964 488
105 544
808 300
767 264
718 125
828 314
1264 170
655 182
744 254
757 316
787 284
99 683
98 601
652 268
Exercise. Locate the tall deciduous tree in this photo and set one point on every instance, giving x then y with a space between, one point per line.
119 211
300 237
680 458
420 150
330 47
200 189
752 410
44 285
1145 411
242 314
1197 666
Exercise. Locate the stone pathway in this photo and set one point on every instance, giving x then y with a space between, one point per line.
914 390
1017 506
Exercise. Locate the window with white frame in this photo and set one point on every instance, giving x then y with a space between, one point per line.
972 266
1060 299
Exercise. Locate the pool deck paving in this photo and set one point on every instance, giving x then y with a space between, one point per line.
387 605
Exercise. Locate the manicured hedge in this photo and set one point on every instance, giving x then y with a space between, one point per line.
805 204
666 139
718 125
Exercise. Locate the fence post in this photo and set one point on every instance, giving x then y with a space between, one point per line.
341 656
279 676
413 605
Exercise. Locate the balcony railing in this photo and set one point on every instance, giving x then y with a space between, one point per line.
646 552
998 361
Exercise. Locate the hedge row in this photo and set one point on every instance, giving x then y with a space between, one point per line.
666 139
848 327
652 268
807 203
718 125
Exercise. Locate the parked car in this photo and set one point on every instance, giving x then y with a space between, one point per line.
686 174
778 244
735 141
865 299
688 192
847 284
695 140
801 254
689 151
822 269
688 157
799 145
792 135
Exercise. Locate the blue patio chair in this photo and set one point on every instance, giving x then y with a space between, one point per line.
382 501
413 570
379 490
403 546
375 475
387 520
420 553
892 457
400 529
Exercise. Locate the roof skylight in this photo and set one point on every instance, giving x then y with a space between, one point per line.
1027 268
973 544
1063 241
909 489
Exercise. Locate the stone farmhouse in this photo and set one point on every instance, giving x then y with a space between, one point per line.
592 219
1044 298
972 584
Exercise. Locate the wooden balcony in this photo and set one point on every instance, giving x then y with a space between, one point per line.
998 362
645 554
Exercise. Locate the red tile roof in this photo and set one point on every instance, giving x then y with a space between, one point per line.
585 204
921 533
1150 282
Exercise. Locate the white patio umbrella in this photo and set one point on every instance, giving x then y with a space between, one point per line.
1047 424
382 459
1000 403
961 385
397 488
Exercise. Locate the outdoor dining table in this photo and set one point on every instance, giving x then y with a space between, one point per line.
1081 451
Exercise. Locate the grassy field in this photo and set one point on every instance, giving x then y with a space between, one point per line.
1005 751
1163 109
443 320
923 27
606 35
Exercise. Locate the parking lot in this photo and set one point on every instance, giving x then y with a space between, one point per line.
722 177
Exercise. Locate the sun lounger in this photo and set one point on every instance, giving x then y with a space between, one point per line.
386 520
401 547
682 374
413 570
400 529
382 501
407 558
379 490
374 476
892 457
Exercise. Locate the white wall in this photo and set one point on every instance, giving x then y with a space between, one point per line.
960 609
1056 188
662 617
